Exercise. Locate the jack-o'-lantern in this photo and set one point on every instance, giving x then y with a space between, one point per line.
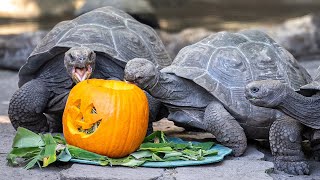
107 117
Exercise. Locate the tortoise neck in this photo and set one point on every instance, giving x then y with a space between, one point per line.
159 87
154 82
302 108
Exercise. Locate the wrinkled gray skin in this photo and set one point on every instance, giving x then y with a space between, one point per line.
196 89
305 109
97 44
274 94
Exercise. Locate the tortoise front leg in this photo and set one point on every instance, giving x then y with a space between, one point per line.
219 122
315 143
27 105
285 143
154 109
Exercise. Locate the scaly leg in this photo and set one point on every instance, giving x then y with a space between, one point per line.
27 105
285 143
225 128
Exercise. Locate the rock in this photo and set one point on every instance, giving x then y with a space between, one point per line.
174 42
300 36
166 126
15 49
139 9
311 64
31 9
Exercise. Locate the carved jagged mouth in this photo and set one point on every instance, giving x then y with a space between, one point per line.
92 129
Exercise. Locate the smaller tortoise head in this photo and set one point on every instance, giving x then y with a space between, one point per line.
142 73
80 63
266 93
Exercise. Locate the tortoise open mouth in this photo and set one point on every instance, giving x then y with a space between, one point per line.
80 74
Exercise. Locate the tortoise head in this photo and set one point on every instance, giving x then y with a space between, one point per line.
141 72
80 63
266 93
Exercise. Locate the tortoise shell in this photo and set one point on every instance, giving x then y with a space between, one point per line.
223 63
106 30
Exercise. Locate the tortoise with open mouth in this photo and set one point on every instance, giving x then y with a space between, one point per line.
97 44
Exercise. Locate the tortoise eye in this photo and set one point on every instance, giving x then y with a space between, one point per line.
92 56
255 89
71 57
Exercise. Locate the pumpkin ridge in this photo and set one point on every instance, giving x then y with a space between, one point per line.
120 129
133 133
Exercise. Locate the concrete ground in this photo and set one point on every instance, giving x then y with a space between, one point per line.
254 164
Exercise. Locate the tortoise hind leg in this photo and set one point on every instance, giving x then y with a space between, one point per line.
219 122
285 143
27 105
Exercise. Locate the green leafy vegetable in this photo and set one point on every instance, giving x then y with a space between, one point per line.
79 153
25 138
45 148
34 148
49 155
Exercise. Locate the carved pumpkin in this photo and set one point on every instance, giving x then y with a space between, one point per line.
107 117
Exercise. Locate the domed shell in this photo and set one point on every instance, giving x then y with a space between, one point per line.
225 62
107 30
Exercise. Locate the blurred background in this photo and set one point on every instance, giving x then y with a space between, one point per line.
18 16
294 24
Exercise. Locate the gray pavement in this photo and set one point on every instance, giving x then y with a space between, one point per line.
250 166
254 164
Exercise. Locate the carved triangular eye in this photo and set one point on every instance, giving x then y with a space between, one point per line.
93 110
77 103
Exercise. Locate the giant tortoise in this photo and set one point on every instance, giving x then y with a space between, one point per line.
97 44
205 84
